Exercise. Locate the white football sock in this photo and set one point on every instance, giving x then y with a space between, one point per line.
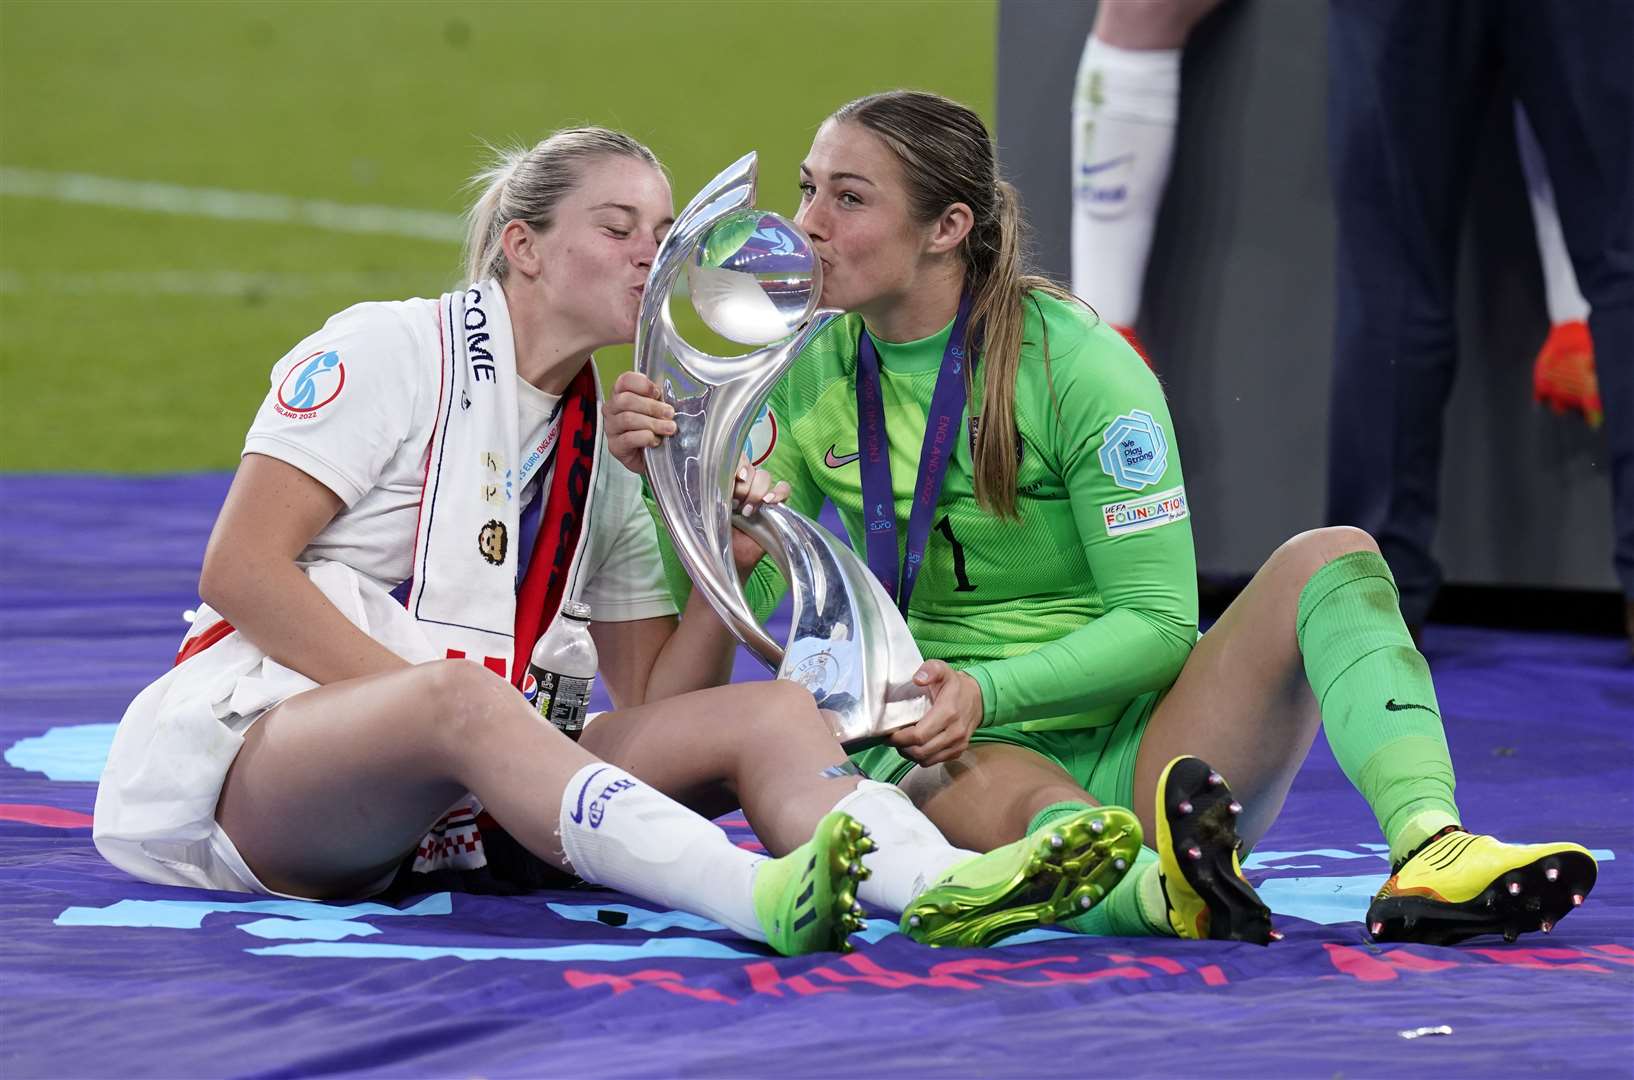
1124 110
617 831
912 854
1565 301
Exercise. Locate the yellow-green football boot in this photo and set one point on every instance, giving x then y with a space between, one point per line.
1457 885
1197 844
1059 871
806 901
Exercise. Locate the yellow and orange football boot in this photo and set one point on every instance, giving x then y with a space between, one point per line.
1458 885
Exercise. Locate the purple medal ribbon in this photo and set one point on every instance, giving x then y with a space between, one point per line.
947 405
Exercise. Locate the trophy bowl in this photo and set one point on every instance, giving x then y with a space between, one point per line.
754 278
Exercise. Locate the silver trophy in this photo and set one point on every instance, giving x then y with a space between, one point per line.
754 279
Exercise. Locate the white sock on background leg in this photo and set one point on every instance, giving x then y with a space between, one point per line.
1564 299
1124 109
618 832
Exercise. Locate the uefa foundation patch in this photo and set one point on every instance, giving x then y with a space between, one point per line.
1147 512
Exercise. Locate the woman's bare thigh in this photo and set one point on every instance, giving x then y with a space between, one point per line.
336 785
1242 702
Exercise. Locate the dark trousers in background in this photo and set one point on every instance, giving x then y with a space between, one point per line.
1409 85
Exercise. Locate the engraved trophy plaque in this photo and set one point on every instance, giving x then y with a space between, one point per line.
754 279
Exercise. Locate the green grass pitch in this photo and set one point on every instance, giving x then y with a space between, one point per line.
135 341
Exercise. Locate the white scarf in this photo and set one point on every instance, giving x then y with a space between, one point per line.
468 545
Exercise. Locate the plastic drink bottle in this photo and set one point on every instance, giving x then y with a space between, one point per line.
563 668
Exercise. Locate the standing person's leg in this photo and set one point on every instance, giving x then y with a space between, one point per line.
1317 638
1405 82
1124 110
1573 75
1563 373
334 786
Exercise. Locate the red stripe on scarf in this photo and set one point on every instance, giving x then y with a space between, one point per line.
540 595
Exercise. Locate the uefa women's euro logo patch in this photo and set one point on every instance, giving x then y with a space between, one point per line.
1134 452
310 385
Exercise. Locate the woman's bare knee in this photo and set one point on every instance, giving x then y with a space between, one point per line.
779 708
455 704
1306 553
785 699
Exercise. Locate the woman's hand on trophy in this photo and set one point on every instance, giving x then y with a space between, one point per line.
637 417
752 488
955 712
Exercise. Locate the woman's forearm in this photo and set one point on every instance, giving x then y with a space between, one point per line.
698 655
274 605
1117 657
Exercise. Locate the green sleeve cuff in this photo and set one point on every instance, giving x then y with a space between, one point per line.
990 697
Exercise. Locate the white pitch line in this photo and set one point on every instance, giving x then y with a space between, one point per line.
162 198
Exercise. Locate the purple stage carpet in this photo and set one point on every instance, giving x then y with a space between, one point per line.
106 976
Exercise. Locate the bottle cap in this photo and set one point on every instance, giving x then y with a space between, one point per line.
577 609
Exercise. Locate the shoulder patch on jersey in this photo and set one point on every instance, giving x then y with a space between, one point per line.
1146 512
762 439
1134 451
310 384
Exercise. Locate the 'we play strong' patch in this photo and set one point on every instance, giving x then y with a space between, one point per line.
1146 512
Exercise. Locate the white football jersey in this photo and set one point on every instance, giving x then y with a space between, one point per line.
354 405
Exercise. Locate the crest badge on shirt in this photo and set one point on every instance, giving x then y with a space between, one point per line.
974 428
311 384
493 541
1134 451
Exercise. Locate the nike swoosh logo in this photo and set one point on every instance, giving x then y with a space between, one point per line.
1391 706
835 462
578 811
1102 166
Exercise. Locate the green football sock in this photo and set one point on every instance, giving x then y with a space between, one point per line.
1125 911
1379 709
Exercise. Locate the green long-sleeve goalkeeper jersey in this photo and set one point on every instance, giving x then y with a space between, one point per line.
1086 600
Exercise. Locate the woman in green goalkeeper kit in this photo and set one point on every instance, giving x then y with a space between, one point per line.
1053 582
